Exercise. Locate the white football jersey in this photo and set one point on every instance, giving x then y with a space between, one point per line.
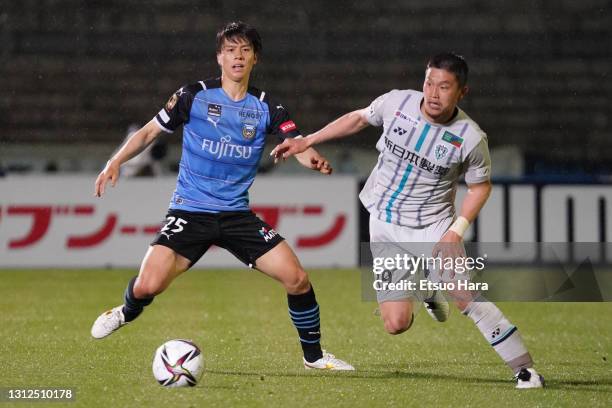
415 179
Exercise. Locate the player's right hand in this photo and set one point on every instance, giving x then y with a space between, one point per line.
110 172
450 247
289 147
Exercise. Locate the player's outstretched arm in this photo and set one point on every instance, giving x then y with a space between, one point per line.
134 145
345 125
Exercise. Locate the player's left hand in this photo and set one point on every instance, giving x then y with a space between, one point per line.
449 246
289 147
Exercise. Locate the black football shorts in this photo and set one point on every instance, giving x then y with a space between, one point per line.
190 234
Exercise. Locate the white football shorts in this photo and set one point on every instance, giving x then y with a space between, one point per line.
403 260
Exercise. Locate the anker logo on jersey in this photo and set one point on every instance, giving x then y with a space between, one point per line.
214 109
287 126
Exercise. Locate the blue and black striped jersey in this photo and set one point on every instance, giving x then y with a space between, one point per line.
223 141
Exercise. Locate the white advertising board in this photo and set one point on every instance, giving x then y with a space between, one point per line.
57 222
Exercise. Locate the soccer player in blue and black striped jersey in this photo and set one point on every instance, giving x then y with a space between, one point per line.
225 123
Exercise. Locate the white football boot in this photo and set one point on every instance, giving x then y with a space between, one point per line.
437 307
108 322
328 362
529 378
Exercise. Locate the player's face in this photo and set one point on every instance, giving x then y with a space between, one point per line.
236 59
442 93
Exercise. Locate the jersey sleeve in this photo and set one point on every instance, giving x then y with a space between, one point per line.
281 124
478 163
176 111
374 112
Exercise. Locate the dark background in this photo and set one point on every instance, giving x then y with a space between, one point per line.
81 72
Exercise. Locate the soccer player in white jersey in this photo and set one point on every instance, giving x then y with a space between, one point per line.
428 142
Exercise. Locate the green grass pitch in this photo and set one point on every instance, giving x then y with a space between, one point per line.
253 358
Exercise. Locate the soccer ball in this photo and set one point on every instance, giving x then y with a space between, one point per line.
178 363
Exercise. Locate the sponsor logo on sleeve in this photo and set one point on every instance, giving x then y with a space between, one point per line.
287 126
171 102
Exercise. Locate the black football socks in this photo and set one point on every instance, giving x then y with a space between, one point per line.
304 313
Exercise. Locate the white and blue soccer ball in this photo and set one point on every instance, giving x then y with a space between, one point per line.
178 363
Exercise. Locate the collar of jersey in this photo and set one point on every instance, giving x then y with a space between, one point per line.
226 96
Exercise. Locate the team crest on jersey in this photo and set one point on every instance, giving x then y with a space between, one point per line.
441 151
171 102
248 130
214 109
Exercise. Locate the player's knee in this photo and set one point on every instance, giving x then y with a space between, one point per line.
297 283
397 324
148 287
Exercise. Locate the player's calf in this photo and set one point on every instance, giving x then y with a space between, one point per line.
505 339
133 306
304 313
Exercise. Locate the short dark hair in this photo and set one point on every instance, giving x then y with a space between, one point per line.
451 62
239 30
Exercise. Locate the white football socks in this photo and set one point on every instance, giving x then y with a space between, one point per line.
500 333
